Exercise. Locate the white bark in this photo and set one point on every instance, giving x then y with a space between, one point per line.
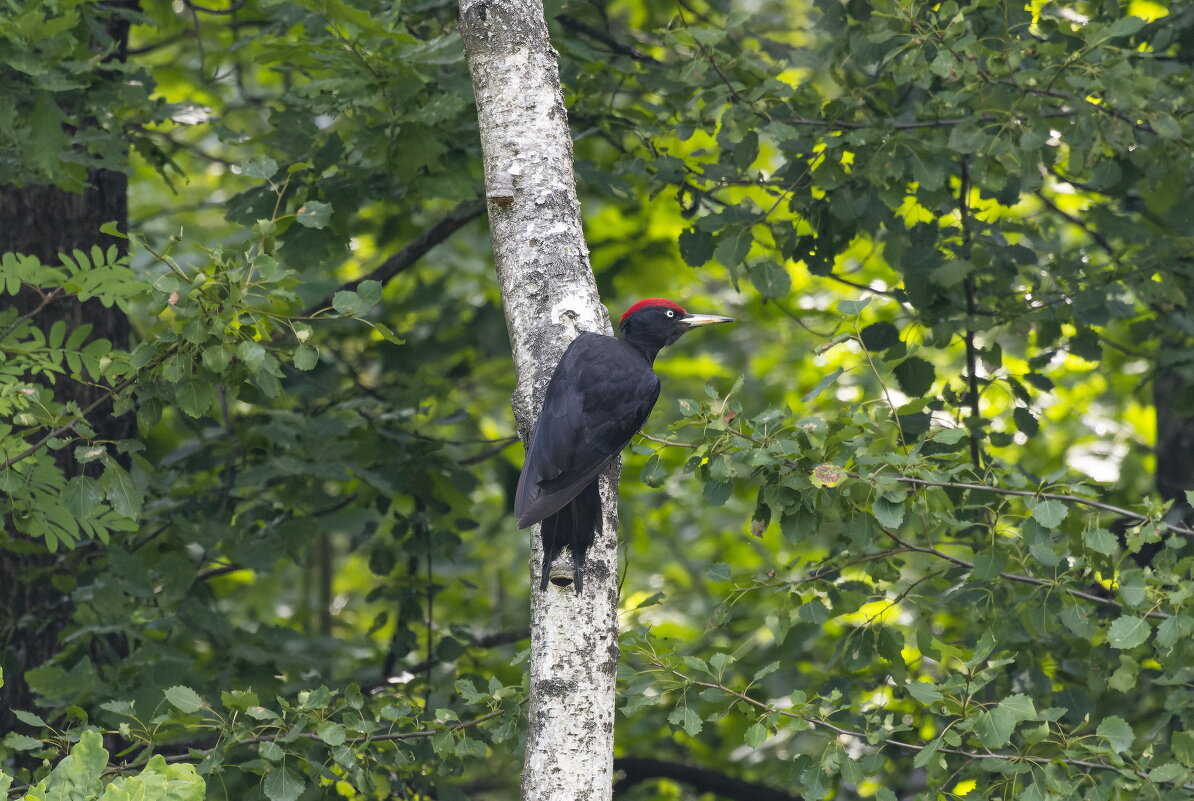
550 296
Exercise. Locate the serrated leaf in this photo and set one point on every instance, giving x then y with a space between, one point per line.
924 692
852 307
1128 631
1125 26
696 246
770 278
718 571
184 698
756 735
122 492
271 751
1049 513
994 727
1132 587
889 514
1117 732
28 718
283 784
1100 540
926 754
195 397
313 214
1025 422
879 336
1182 744
259 167
306 357
21 742
331 733
915 376
653 474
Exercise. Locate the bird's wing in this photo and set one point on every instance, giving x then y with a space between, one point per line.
600 395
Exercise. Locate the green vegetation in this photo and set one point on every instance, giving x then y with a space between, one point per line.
901 532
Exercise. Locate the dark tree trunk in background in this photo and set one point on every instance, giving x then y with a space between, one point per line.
1173 397
44 221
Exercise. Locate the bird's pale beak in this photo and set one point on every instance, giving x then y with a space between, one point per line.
695 320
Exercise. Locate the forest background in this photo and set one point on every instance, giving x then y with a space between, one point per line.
916 526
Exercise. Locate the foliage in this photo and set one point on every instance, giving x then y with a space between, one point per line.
900 538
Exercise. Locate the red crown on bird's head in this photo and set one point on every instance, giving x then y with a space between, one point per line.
642 304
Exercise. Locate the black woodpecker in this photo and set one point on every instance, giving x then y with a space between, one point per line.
600 395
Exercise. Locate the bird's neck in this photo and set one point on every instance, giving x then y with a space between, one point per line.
649 350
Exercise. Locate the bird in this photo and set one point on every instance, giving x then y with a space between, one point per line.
599 396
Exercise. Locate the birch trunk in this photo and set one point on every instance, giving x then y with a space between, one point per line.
550 296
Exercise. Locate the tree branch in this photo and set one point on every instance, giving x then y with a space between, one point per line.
1099 239
488 641
613 44
1086 596
403 260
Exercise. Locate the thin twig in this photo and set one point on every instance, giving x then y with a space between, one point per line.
815 721
404 259
607 40
1086 596
1099 239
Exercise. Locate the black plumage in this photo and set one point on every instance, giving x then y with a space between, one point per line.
599 397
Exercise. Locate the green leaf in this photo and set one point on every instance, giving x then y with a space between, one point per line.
306 357
350 304
994 727
331 733
122 492
1125 26
313 214
283 784
1168 772
28 718
690 721
195 397
1127 631
1025 422
879 336
21 742
259 167
184 698
252 354
653 474
889 514
718 571
952 273
271 751
1100 540
1117 732
771 279
925 692
914 375
696 246
925 755
852 307
822 385
1049 513
756 735
82 496
1132 587
1182 743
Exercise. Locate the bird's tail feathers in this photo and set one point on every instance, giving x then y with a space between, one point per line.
575 526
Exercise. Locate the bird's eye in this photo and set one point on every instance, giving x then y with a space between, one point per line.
671 313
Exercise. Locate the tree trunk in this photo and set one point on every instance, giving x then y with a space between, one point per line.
550 296
44 221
